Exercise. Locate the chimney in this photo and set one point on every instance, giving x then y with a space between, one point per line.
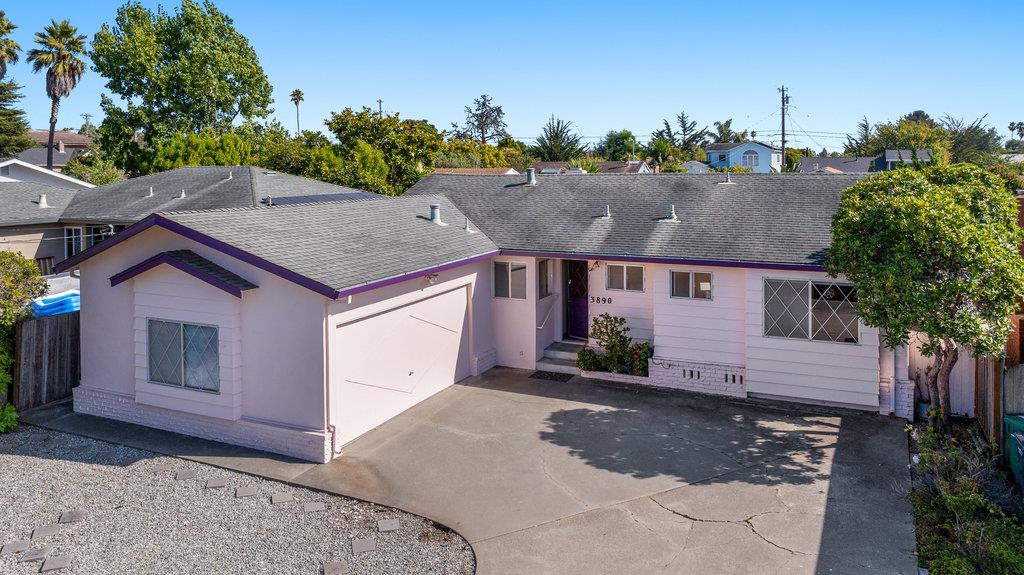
60 146
42 201
531 177
435 214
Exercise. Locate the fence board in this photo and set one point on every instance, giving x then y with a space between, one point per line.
1013 390
47 363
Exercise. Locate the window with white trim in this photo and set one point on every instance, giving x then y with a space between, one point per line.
691 285
72 241
624 278
812 310
509 280
543 279
5 171
751 159
184 355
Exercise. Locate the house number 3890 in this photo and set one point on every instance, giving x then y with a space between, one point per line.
595 299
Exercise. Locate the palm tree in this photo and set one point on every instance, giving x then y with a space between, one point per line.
725 133
296 98
61 45
8 48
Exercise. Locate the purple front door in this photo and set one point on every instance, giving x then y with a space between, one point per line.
576 295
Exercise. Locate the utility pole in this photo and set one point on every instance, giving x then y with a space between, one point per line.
380 108
785 103
87 117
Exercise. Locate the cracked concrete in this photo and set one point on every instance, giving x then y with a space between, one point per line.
546 477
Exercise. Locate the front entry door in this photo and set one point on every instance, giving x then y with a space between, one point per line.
576 313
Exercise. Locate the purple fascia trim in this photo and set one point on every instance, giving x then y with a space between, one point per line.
676 261
163 258
412 275
158 220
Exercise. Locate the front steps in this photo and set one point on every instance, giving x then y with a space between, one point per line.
560 357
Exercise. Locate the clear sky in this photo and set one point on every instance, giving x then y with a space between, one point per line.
609 65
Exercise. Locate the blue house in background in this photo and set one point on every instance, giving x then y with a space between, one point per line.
758 157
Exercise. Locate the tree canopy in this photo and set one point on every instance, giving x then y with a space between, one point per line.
93 167
184 72
618 146
206 149
13 126
935 251
8 47
485 122
558 142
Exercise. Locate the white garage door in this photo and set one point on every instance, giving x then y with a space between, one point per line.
390 361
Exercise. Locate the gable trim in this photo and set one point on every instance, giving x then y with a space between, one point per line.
165 258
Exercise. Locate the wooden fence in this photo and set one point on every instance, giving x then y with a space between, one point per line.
47 362
1013 390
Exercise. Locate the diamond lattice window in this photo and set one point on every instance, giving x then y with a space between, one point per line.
820 311
184 354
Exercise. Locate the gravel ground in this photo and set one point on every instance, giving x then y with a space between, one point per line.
140 519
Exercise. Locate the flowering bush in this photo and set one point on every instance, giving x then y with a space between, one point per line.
588 360
620 355
639 353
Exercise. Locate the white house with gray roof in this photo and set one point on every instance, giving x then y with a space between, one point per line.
299 328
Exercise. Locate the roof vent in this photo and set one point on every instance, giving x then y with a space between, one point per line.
149 194
182 196
575 171
469 229
531 177
728 179
230 175
671 217
607 213
269 200
42 201
435 214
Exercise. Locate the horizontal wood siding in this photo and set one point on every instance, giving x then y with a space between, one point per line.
712 331
802 369
636 307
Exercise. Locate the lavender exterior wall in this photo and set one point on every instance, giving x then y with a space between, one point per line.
515 320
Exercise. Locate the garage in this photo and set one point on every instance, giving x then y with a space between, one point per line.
392 360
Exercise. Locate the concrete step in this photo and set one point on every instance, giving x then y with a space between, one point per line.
558 365
563 350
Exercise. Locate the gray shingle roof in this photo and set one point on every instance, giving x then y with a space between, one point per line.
347 244
844 164
206 187
37 156
19 203
907 155
695 167
197 261
780 219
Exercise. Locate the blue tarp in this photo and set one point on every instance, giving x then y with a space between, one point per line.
56 304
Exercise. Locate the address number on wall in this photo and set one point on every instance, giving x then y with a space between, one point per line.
595 299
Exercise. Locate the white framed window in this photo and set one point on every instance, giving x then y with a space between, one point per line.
72 241
811 310
543 279
722 157
184 355
751 159
624 278
509 280
691 285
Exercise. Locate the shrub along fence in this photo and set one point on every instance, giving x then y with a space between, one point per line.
47 363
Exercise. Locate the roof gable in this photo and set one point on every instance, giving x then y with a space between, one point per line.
192 264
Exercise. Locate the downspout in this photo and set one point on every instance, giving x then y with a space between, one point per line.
329 428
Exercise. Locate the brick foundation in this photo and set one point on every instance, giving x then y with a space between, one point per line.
904 390
303 444
708 378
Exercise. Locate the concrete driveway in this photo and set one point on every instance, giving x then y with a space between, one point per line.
550 477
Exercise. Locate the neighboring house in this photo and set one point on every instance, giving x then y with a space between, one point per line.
66 145
297 329
755 156
695 167
15 170
105 210
478 171
627 167
1014 158
892 159
837 164
29 221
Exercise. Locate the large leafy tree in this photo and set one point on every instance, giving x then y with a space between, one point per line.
13 126
205 149
8 47
915 131
184 72
861 144
485 122
558 142
617 146
973 142
60 46
935 251
93 167
408 146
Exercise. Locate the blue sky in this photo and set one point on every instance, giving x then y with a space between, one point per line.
609 65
